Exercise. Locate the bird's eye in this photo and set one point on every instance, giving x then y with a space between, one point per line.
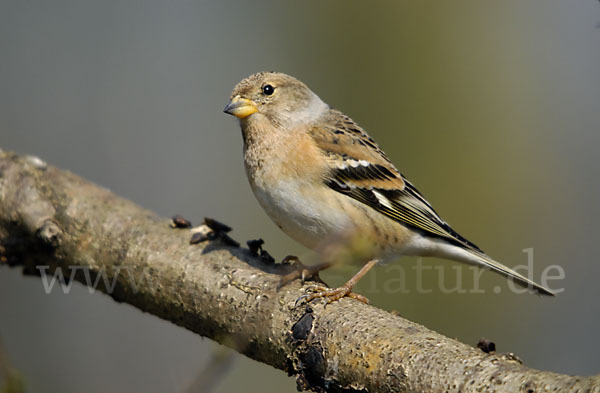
268 90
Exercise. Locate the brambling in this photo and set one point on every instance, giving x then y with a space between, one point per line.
326 183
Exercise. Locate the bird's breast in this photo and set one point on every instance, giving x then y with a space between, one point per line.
285 172
303 212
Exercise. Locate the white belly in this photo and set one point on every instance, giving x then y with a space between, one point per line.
302 213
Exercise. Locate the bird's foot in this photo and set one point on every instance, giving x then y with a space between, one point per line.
330 295
301 271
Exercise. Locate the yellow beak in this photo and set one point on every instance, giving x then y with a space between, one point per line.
240 107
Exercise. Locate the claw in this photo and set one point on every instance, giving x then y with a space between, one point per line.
300 299
331 295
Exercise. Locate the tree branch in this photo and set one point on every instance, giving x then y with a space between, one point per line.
53 218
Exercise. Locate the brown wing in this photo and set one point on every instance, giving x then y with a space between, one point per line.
361 170
354 153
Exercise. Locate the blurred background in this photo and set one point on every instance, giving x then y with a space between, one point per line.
490 108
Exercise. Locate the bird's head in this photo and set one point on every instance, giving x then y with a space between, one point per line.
279 98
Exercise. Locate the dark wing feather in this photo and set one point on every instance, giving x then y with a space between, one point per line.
360 170
404 206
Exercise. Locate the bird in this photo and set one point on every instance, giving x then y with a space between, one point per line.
328 185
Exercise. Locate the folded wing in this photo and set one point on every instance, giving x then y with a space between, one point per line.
361 170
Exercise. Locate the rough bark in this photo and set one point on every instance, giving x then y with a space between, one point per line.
220 291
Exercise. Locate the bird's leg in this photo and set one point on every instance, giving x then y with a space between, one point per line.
331 295
302 271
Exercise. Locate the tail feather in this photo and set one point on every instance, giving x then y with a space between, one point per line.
475 257
508 272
